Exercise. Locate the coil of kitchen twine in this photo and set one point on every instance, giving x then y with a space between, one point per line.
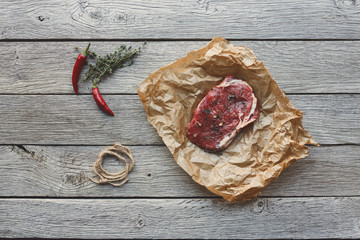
118 178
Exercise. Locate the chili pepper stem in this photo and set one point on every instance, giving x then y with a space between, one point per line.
86 50
94 83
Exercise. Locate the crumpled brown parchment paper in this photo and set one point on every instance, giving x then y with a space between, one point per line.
260 151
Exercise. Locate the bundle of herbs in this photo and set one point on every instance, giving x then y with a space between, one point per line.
103 67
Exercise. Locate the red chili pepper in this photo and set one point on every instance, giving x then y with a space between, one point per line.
100 101
80 61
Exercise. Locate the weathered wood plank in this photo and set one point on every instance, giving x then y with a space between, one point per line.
274 218
63 171
297 66
69 119
290 19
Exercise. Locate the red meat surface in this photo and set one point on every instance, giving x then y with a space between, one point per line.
221 114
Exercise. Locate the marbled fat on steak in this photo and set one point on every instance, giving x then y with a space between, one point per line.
222 113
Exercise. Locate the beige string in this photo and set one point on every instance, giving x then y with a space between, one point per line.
116 179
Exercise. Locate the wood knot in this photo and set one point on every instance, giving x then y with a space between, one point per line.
24 152
140 222
84 4
150 174
94 15
348 6
259 205
41 18
76 179
208 7
351 3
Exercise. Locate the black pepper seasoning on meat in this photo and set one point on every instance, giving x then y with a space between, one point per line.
207 111
221 113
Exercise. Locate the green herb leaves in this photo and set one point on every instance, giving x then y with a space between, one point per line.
106 65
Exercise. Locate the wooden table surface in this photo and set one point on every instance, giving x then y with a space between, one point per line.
49 137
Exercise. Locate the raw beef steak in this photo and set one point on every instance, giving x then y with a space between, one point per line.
222 113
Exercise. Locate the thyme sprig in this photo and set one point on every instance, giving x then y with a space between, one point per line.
106 65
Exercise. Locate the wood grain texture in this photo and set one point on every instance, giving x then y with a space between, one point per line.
69 119
275 218
297 66
159 19
44 186
63 171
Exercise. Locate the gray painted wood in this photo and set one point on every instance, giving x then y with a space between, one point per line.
63 171
73 120
274 218
293 207
290 19
297 66
76 120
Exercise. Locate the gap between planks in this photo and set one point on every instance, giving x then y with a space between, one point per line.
135 94
138 145
170 198
181 40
